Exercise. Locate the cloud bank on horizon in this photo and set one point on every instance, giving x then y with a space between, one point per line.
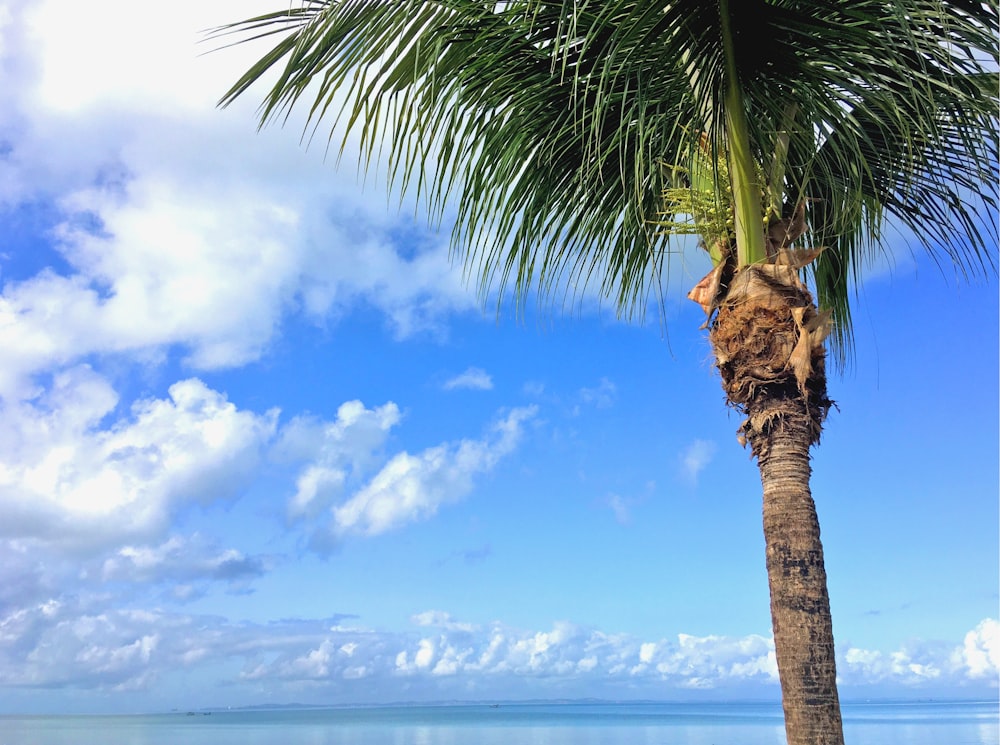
151 236
332 659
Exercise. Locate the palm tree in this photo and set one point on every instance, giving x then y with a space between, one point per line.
577 139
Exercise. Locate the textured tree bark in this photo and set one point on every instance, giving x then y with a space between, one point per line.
768 342
800 604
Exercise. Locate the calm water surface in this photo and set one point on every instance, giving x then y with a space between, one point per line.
952 723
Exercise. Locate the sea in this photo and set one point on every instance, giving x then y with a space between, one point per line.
881 723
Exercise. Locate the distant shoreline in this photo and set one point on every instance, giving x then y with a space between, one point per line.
511 703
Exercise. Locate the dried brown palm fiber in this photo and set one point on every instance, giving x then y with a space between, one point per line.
768 340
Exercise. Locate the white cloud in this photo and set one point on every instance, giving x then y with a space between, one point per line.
622 509
569 652
178 227
179 224
902 666
70 647
213 267
981 650
919 663
646 652
413 487
61 641
335 451
695 458
69 476
181 559
81 71
707 661
474 378
533 388
76 473
440 619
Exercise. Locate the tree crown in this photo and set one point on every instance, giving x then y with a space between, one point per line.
563 130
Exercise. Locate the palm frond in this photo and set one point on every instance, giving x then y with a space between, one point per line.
546 122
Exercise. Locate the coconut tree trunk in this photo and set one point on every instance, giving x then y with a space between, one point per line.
800 605
768 340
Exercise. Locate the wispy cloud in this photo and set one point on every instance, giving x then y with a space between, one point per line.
474 379
469 555
695 458
476 555
621 508
602 395
442 620
533 388
183 560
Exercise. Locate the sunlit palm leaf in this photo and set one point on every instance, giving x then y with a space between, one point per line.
547 122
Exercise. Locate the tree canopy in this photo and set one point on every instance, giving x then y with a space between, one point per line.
555 127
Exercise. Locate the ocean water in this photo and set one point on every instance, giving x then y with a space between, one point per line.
944 723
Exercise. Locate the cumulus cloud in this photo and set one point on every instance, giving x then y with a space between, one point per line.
176 224
568 652
81 474
173 229
919 663
695 458
980 653
66 642
73 472
474 379
71 643
152 265
912 665
52 644
335 451
342 471
413 487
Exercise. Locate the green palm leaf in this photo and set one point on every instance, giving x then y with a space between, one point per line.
548 121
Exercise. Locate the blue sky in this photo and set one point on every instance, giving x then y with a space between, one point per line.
261 443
